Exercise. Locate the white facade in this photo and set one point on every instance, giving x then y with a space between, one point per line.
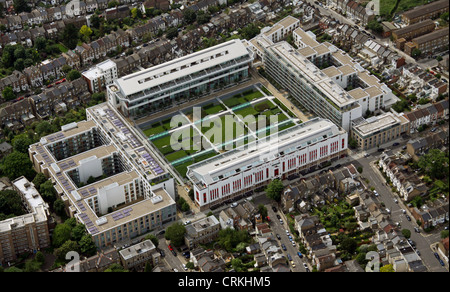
238 171
101 75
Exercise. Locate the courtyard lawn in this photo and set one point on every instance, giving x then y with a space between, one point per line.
212 109
249 96
245 111
176 155
154 130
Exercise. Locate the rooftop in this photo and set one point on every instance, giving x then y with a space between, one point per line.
181 67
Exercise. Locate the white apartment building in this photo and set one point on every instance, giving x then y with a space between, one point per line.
100 75
196 74
220 178
108 178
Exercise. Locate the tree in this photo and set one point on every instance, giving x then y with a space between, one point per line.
274 190
48 192
406 233
172 33
416 53
203 17
250 31
38 180
387 268
86 31
67 246
444 234
17 164
262 210
8 93
375 26
136 13
73 74
21 143
70 36
175 233
115 268
21 6
43 128
189 16
87 245
435 164
10 203
349 245
61 234
78 232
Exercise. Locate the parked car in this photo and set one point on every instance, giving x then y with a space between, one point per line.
283 246
395 144
299 254
274 209
408 218
278 236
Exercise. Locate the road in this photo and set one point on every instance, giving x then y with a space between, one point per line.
423 241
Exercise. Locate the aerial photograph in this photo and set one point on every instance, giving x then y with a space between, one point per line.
249 136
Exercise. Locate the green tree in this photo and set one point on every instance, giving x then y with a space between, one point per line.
406 233
38 180
32 266
249 31
61 234
375 26
48 192
73 74
175 233
70 36
10 203
59 207
21 143
189 16
87 245
39 257
274 190
65 247
21 6
43 128
78 232
444 234
8 93
136 13
435 164
17 164
115 268
349 245
86 31
13 270
172 33
262 210
387 269
203 17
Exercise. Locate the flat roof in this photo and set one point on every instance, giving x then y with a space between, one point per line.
243 158
376 123
172 70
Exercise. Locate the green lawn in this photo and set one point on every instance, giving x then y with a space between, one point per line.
245 111
154 130
253 95
62 48
176 155
213 109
